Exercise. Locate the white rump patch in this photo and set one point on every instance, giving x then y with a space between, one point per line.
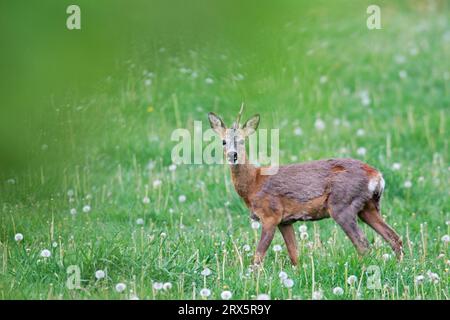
376 182
382 183
372 184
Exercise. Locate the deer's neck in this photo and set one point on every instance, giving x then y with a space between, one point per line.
243 176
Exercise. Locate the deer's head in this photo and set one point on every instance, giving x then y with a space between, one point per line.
233 139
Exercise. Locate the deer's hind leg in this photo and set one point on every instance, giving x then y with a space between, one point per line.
346 218
371 215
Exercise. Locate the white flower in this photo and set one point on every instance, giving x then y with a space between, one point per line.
283 275
86 208
361 151
120 287
400 59
433 277
352 279
263 296
70 193
365 98
163 235
323 79
386 256
156 183
140 221
407 184
167 286
360 132
226 295
419 279
134 297
182 198
298 131
304 235
146 200
246 247
158 285
205 292
303 228
338 291
209 80
148 82
206 272
277 248
403 74
46 253
421 179
18 237
172 167
317 295
319 124
445 239
255 225
288 283
54 244
100 274
73 211
396 166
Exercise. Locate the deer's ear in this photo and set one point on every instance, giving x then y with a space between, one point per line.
217 124
251 125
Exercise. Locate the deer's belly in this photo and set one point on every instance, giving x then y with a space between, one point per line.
314 209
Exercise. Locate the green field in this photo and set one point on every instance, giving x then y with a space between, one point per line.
80 156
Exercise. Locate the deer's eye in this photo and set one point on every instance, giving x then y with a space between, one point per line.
224 142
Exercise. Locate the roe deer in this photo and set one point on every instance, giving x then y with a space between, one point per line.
343 189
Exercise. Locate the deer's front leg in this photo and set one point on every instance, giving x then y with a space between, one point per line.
287 230
267 233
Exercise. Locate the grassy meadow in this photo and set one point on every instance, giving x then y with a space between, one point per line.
88 181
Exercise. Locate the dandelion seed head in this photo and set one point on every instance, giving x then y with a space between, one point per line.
361 151
226 295
283 275
351 280
317 295
338 291
205 292
139 221
277 248
303 228
156 183
319 124
288 283
167 286
18 237
120 287
146 200
205 272
407 184
46 253
158 285
86 208
100 274
298 131
445 238
182 198
396 166
255 225
263 296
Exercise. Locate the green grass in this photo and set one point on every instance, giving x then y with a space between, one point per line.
108 148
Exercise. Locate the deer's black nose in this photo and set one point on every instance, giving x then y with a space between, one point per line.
232 156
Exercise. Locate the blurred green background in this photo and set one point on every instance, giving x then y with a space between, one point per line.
58 85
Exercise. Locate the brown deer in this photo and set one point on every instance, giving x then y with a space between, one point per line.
342 189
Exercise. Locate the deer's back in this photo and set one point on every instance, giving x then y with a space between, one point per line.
306 181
